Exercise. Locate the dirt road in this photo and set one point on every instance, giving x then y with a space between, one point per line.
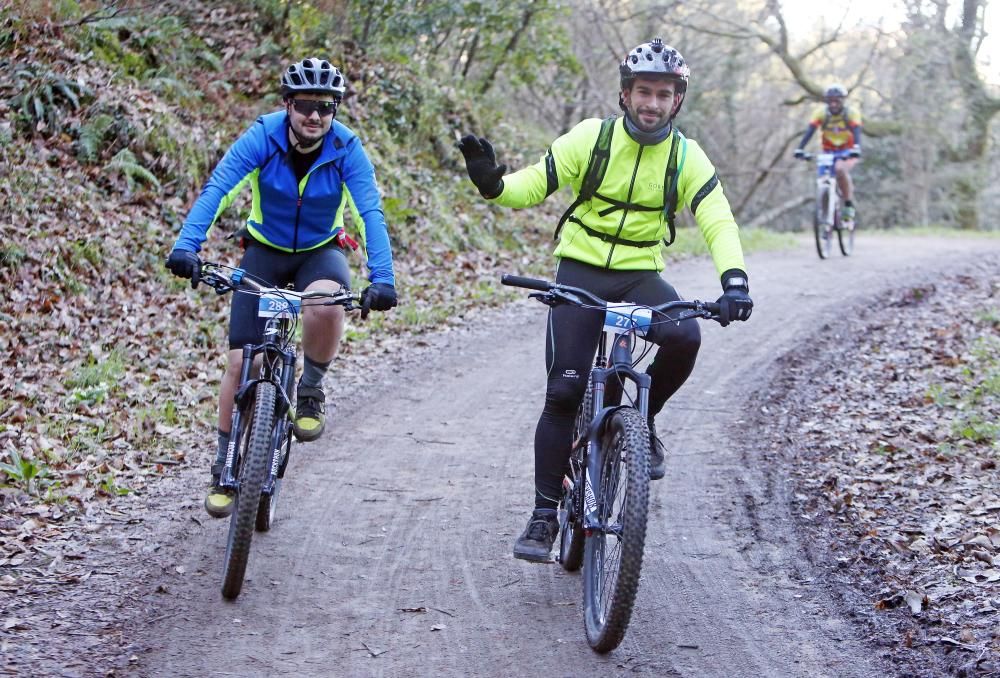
392 551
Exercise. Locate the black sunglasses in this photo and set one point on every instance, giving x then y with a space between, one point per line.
307 106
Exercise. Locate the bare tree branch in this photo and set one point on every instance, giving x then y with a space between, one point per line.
109 11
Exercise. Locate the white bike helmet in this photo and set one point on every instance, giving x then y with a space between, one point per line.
315 76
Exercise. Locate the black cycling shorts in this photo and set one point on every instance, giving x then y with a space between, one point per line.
278 269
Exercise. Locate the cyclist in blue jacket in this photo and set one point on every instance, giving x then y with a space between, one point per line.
304 168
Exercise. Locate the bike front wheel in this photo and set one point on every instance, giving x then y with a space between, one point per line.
845 237
269 501
254 457
822 228
613 553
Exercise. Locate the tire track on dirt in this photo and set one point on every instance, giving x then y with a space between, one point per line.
724 592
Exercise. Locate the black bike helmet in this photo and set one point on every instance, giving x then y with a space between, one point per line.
314 76
835 90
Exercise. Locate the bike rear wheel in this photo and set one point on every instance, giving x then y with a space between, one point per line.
822 228
570 526
613 553
256 452
266 509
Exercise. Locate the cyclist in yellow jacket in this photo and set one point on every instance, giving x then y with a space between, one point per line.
610 245
841 135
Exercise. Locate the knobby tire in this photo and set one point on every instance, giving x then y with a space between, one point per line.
821 228
252 472
845 237
268 502
613 556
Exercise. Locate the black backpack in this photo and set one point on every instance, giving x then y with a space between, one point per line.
596 168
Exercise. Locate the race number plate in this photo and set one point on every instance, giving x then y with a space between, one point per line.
623 317
276 306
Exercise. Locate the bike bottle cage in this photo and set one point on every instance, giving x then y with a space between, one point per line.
593 176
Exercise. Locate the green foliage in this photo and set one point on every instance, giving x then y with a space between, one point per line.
97 371
27 474
11 256
145 48
110 487
306 29
977 401
127 165
42 99
92 137
470 41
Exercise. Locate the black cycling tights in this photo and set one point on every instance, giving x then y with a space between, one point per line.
570 346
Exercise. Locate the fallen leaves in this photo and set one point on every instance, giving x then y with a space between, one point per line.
894 464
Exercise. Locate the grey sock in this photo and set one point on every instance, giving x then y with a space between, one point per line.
223 443
312 372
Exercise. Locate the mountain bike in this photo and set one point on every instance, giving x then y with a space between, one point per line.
603 509
826 214
261 438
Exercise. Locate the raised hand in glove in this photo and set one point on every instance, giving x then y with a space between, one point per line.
735 302
481 164
377 297
185 264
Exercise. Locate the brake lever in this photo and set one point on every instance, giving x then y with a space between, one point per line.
546 298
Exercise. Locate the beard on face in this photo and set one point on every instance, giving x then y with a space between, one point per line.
660 121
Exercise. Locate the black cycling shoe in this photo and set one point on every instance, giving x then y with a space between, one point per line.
657 456
310 413
535 543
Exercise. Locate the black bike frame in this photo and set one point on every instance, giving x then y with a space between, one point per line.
620 367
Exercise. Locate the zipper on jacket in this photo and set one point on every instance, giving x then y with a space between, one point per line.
298 204
295 233
628 200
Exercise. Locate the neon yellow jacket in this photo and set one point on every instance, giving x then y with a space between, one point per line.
634 176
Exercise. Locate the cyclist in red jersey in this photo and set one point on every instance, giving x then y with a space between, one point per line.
841 131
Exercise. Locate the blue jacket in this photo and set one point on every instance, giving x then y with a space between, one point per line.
289 215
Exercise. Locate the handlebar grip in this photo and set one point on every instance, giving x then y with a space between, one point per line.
712 307
528 283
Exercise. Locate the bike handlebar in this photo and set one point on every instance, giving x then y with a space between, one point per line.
567 294
224 279
528 283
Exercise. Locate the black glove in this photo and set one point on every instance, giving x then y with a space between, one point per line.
378 297
854 152
735 302
799 153
481 164
185 264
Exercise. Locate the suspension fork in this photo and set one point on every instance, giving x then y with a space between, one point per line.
227 477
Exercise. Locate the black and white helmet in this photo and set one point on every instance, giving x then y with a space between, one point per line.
835 90
316 76
654 58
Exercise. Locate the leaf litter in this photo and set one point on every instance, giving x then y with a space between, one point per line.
887 425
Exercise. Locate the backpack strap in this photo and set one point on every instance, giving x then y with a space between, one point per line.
670 181
596 167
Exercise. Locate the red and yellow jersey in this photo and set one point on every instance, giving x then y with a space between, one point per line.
838 130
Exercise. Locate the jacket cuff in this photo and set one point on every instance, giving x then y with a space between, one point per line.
735 278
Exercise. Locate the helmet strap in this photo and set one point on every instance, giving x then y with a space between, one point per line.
297 144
